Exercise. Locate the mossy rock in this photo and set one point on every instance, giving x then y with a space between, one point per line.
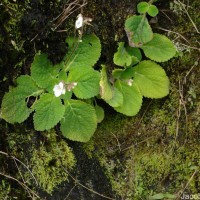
154 152
46 158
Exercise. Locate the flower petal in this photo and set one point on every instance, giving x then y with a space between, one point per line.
63 91
79 21
57 93
61 85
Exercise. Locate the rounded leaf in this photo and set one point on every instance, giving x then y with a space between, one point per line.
138 31
79 122
48 112
132 98
87 80
159 49
153 10
142 7
151 79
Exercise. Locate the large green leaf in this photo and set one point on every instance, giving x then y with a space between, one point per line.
117 99
79 122
159 49
43 72
138 30
13 107
151 79
132 98
85 53
27 86
48 112
106 90
87 80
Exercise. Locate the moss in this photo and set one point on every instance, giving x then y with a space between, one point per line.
48 160
48 163
4 189
150 167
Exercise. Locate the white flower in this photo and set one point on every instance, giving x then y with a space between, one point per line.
79 21
130 82
59 89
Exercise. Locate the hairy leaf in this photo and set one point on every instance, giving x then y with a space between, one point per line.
132 98
43 72
87 80
159 49
106 90
48 112
151 79
27 86
138 31
79 122
85 53
13 107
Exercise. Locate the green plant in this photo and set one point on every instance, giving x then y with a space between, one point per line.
48 90
136 77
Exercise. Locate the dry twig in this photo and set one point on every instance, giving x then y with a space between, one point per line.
89 189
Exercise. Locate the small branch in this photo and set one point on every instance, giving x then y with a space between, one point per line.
14 158
187 183
183 6
89 189
163 29
20 183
